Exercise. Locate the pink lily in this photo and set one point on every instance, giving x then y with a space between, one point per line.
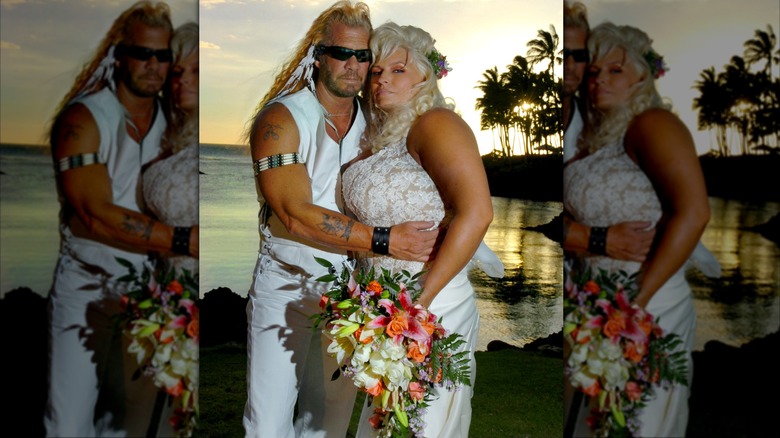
632 330
408 315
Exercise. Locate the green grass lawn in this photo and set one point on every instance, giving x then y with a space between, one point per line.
517 394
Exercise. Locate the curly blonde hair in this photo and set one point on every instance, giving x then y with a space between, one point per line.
144 12
344 12
182 129
575 15
387 127
609 126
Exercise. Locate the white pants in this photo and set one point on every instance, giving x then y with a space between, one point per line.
288 362
90 388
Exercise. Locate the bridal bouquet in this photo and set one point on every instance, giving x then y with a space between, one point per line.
618 352
392 349
161 318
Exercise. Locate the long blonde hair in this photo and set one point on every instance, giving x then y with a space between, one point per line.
344 12
182 129
607 127
388 127
144 12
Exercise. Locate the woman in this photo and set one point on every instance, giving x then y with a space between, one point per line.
638 163
170 184
423 164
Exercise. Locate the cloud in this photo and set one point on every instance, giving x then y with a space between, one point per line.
208 45
10 46
11 3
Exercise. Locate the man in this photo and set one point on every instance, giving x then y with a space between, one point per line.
306 128
575 59
107 126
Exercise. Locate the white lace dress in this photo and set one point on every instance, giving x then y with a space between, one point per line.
388 188
606 188
170 189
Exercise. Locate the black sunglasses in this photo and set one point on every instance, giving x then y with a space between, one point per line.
343 53
579 55
144 53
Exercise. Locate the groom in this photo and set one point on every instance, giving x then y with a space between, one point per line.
106 127
306 128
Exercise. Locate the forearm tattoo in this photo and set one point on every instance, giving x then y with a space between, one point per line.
336 226
270 131
138 227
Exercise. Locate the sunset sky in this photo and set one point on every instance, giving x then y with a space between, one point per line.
243 43
691 35
44 43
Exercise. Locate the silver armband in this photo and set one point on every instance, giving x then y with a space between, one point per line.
75 161
275 161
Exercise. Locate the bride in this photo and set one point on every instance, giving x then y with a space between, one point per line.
640 164
423 164
170 183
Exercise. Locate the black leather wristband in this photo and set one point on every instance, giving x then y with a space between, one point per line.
380 241
597 241
181 240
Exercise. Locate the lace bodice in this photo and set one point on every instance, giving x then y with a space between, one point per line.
170 189
389 188
605 188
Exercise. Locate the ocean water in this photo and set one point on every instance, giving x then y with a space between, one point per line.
529 308
741 305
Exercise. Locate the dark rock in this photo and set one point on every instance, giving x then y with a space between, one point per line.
222 318
550 346
25 343
553 230
770 229
501 345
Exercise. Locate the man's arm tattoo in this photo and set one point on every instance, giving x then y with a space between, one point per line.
335 226
138 227
270 131
71 132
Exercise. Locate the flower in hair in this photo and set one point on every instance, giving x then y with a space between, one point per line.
439 62
656 62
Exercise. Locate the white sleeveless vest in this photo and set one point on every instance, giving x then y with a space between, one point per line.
123 157
323 164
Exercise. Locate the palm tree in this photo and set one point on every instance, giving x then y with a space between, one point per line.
496 107
739 85
761 48
545 47
713 106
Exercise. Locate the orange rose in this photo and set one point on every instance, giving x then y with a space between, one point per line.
175 287
397 325
175 390
633 391
592 390
614 325
377 419
438 376
646 326
374 287
416 391
376 390
193 328
591 287
415 354
634 352
428 326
